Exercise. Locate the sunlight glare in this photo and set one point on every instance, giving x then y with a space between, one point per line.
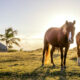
59 20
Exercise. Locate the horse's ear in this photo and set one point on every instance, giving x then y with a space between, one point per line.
66 22
74 22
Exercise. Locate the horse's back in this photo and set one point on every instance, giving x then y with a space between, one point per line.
52 34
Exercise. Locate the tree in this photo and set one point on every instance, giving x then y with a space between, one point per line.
9 37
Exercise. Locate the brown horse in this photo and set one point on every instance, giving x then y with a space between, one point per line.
58 38
78 47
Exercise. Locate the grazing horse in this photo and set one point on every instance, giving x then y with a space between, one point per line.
78 47
58 38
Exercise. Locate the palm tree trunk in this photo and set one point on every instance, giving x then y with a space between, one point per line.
6 44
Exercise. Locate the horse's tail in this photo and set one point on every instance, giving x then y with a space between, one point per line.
47 55
58 50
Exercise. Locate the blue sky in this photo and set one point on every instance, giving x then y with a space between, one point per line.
33 17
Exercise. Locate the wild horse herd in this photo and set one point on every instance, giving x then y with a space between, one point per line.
60 38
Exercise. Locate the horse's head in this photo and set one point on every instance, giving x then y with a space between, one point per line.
70 29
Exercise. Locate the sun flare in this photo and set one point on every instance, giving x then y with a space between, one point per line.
59 20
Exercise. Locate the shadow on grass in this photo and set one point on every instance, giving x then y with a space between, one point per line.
41 73
8 61
56 55
74 59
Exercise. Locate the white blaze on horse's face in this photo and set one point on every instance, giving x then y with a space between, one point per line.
70 35
78 60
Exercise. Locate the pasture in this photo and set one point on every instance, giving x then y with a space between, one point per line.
27 66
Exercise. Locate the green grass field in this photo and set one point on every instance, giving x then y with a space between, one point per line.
27 66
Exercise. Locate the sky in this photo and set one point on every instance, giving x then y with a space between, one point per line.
31 18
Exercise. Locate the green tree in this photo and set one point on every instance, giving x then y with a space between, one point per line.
9 37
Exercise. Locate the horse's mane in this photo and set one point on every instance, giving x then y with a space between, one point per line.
79 33
63 26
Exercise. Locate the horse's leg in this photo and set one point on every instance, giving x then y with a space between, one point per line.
65 54
52 50
77 49
78 54
61 49
43 57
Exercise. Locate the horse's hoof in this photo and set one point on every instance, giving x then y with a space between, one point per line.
64 67
42 65
54 66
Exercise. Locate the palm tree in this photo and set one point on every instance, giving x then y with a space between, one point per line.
9 37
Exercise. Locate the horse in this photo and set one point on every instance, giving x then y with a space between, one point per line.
58 38
78 47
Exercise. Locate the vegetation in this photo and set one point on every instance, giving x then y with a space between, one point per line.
9 37
27 66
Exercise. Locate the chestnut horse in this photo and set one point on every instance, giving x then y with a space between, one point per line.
58 38
78 47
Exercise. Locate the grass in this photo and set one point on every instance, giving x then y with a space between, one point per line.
27 66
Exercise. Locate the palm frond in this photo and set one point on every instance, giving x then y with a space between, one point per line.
3 39
9 35
14 39
1 35
16 43
10 32
15 32
10 46
18 39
